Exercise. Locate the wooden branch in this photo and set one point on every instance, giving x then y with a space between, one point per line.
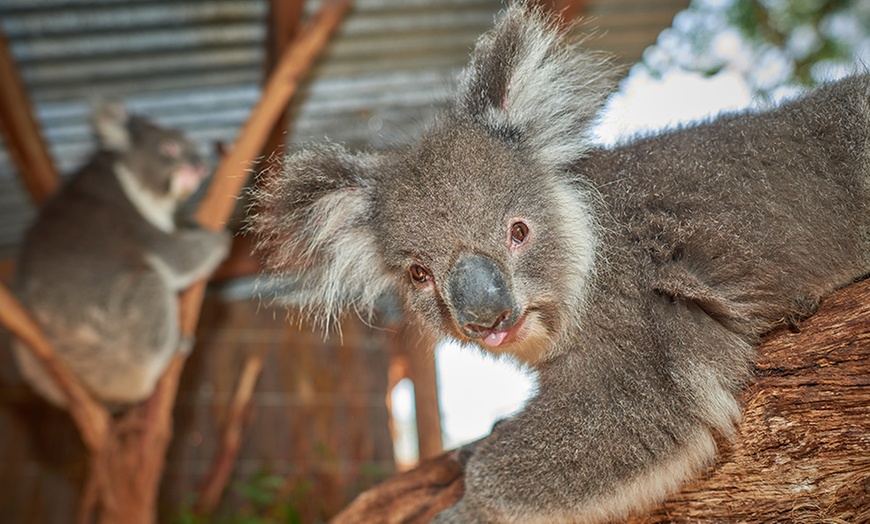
21 132
90 417
217 479
411 497
800 453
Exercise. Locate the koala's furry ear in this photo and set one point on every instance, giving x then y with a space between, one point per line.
313 223
526 81
109 122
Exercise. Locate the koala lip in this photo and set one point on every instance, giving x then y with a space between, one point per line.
497 338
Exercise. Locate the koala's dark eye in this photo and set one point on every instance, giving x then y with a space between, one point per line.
519 232
419 274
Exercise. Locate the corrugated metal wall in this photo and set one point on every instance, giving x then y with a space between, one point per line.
197 65
190 64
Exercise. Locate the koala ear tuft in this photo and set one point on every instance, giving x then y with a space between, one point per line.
313 225
526 80
109 122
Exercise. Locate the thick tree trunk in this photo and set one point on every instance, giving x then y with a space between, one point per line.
801 452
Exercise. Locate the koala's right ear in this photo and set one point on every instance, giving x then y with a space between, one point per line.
527 81
109 122
313 223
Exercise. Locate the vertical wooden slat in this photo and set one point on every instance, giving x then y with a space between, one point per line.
21 132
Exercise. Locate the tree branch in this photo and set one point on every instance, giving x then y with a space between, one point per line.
222 468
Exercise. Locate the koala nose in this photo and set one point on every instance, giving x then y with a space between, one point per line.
480 296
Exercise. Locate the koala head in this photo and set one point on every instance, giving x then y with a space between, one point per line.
162 161
480 227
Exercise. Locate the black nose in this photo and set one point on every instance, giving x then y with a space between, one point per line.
480 296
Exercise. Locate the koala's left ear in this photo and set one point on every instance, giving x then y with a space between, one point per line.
313 222
109 122
527 82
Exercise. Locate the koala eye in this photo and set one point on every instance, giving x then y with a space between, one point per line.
419 274
519 232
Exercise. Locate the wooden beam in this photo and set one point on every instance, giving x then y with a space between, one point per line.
285 20
21 131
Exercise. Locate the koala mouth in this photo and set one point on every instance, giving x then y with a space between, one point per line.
495 338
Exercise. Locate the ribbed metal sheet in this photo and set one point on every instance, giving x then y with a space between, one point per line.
197 65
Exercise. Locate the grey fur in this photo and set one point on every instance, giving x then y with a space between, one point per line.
647 277
101 266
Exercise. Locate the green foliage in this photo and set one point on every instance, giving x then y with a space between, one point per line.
775 23
266 499
776 45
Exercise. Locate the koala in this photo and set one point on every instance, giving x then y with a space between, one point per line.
101 266
634 280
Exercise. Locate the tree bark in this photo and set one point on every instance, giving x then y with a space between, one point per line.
801 452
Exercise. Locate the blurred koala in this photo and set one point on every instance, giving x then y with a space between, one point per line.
103 263
635 281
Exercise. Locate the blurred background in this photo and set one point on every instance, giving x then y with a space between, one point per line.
331 416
